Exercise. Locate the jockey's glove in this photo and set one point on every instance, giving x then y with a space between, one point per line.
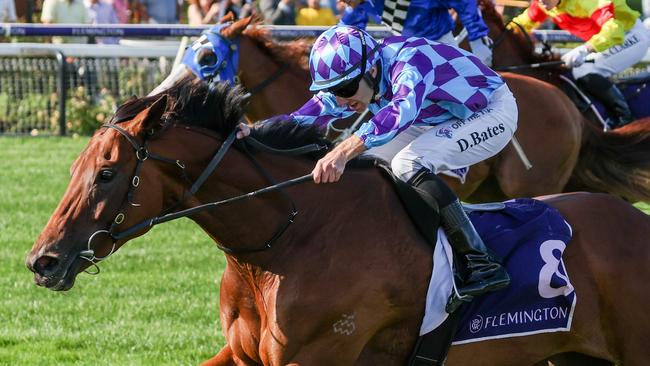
576 57
482 48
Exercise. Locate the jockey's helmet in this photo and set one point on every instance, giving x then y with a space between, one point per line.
340 56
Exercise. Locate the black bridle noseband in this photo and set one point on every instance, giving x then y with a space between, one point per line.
142 154
546 49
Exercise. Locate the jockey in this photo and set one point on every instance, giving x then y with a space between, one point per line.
428 19
615 39
436 107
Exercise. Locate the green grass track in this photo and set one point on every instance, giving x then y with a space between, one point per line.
154 303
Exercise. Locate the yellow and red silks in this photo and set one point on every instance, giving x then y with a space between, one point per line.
601 23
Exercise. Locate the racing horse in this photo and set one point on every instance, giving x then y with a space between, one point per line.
287 287
551 129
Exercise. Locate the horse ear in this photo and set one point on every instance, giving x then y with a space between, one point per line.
236 28
151 119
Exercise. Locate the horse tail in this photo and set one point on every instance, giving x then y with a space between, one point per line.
617 162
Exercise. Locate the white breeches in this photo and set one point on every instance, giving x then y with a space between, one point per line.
617 58
454 144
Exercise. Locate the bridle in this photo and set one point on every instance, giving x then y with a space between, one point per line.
143 154
219 68
507 30
546 49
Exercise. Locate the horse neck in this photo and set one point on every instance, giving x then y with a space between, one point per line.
284 95
330 216
250 223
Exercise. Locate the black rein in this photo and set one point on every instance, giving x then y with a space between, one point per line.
143 154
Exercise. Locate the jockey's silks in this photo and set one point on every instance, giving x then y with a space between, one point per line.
601 23
422 83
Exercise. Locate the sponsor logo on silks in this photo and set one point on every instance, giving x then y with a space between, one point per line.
478 138
444 132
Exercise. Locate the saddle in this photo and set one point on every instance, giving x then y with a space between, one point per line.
431 349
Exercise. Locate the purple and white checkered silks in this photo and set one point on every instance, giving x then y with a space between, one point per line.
422 82
335 52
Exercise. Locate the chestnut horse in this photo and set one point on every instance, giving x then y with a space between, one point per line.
353 255
551 129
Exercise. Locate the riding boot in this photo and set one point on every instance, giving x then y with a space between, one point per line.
485 274
611 96
482 271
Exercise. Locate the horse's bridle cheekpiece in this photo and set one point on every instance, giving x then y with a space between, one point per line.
143 154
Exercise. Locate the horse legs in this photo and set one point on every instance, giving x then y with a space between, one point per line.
223 358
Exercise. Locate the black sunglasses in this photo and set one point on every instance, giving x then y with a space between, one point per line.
346 89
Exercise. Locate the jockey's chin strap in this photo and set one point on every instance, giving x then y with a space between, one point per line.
143 154
373 82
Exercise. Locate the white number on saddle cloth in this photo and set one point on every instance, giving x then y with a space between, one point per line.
552 266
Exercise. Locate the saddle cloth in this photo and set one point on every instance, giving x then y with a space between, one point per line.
530 237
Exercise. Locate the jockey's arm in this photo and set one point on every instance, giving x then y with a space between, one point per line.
468 14
612 33
409 90
531 18
320 110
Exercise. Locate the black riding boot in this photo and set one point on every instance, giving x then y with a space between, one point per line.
482 273
610 95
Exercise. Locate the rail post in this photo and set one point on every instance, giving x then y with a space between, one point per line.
62 90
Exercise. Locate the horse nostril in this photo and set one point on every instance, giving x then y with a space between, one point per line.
45 265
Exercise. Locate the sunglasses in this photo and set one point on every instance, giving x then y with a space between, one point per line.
347 89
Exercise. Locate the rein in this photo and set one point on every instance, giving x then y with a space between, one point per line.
142 154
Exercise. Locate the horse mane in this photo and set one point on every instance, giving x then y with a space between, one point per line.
296 52
218 106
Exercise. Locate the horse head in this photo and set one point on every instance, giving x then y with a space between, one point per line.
512 44
247 55
132 170
213 56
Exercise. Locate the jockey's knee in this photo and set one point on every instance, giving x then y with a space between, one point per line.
404 166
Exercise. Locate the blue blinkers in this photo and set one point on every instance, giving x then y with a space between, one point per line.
212 56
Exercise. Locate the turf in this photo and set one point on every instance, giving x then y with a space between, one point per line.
154 303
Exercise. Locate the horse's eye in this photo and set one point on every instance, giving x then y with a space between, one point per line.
207 58
105 175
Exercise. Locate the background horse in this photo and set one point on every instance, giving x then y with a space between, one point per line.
551 129
336 288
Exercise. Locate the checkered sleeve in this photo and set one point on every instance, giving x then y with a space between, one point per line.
320 110
409 90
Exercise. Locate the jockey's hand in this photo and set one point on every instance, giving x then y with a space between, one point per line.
244 131
351 3
330 168
482 48
576 57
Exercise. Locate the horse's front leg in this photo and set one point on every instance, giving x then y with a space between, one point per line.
223 358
